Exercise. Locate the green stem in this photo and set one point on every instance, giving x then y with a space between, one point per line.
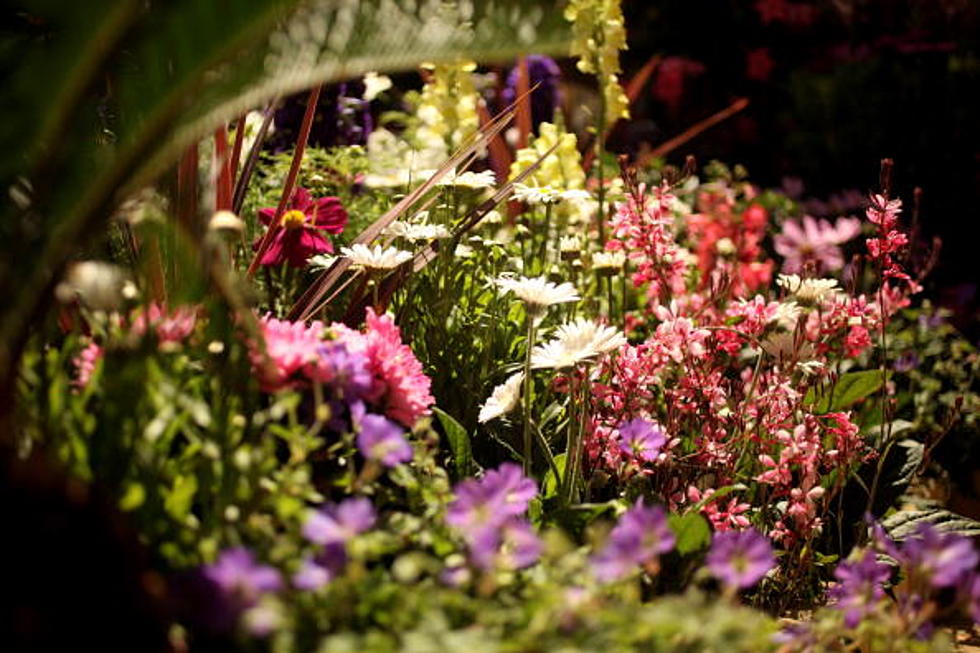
528 390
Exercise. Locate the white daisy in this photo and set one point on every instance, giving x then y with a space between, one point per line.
376 258
807 290
547 194
538 293
416 232
608 260
576 342
787 315
503 399
470 179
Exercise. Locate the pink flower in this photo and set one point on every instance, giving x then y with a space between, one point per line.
289 346
399 384
170 326
816 242
300 233
85 364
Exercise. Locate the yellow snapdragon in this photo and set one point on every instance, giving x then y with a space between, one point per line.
598 35
448 104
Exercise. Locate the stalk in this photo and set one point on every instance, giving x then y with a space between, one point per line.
528 390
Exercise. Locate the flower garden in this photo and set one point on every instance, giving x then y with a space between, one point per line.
327 330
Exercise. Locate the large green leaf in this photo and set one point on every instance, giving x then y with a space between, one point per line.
848 389
458 440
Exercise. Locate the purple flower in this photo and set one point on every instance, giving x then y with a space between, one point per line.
971 593
859 587
338 523
907 361
382 440
739 559
641 535
544 72
489 501
240 578
316 571
942 558
514 545
814 242
345 371
641 439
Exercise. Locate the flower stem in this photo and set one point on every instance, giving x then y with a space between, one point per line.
528 390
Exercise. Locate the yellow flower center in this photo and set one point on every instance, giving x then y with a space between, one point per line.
293 219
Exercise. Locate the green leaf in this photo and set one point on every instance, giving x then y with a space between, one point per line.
692 531
459 442
905 523
178 500
133 498
849 389
550 484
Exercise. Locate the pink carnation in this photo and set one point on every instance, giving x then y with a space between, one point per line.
289 346
399 384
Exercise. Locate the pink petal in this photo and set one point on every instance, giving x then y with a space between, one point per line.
330 215
267 215
301 199
275 254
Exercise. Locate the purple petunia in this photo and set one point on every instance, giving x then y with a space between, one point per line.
347 372
859 587
316 571
338 523
240 578
641 438
641 535
382 440
944 559
486 512
514 545
739 559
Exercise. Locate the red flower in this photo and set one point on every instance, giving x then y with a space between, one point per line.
303 224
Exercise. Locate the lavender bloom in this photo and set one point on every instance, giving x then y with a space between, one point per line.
240 578
739 559
943 558
641 439
544 72
338 523
382 440
814 242
907 361
487 502
641 535
971 592
346 371
316 571
512 546
859 587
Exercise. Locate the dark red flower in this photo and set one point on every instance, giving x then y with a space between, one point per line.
304 225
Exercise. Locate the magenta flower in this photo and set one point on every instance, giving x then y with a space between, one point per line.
317 571
944 559
739 559
639 538
241 579
338 523
303 228
382 440
815 242
288 348
859 587
641 439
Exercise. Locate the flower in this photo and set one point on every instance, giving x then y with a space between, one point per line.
303 225
942 558
469 179
544 76
547 194
376 258
382 440
416 232
170 326
503 399
815 242
859 587
639 538
488 501
240 578
513 545
346 371
375 84
85 364
289 347
807 291
538 293
608 261
338 523
226 222
740 558
399 386
641 439
576 342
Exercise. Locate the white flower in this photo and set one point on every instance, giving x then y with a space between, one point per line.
608 260
321 261
576 342
416 232
470 179
375 84
96 284
787 315
503 399
807 290
539 293
376 258
547 194
782 346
